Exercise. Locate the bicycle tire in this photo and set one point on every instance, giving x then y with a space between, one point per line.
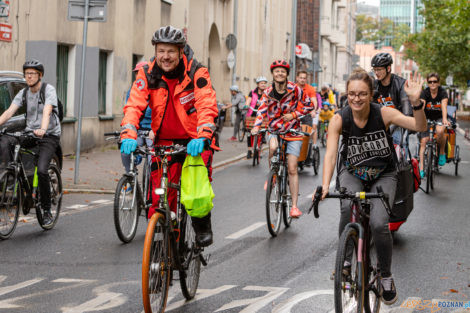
55 181
241 130
316 160
125 209
428 164
322 135
457 159
371 301
273 205
156 266
9 205
255 149
287 205
146 180
189 275
346 291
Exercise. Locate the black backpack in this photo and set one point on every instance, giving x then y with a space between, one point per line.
59 111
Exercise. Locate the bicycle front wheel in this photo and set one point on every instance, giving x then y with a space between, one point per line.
287 204
156 265
190 258
273 204
55 183
126 215
349 276
322 135
428 157
10 203
373 290
255 150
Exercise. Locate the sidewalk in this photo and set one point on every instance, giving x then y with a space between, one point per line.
101 169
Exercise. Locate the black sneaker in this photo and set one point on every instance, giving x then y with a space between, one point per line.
47 217
389 295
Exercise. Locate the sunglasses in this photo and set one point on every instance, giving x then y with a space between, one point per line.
432 81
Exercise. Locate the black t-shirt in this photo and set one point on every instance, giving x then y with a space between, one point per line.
366 152
250 95
278 96
324 97
432 107
384 98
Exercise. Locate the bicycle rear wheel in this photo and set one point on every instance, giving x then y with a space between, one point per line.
273 204
457 159
190 258
156 265
10 203
349 277
55 182
315 159
146 181
126 215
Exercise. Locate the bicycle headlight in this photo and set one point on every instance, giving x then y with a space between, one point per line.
159 191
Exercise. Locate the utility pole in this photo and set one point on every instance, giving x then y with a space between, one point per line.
293 38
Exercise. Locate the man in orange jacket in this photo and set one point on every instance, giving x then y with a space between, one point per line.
178 90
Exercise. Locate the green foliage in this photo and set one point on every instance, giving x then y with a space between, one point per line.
370 30
444 44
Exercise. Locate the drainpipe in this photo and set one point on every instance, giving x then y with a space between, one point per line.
235 25
293 38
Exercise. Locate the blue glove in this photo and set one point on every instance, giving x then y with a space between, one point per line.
138 159
195 146
128 145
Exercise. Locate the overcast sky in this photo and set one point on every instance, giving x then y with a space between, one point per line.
371 2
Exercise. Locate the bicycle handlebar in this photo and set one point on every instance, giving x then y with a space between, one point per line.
19 134
345 195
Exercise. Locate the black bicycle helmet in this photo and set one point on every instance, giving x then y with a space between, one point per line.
169 34
383 59
32 63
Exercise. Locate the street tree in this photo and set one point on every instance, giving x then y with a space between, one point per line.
444 44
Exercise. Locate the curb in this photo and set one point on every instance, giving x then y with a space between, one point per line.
107 191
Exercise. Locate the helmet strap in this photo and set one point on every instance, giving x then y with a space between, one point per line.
36 83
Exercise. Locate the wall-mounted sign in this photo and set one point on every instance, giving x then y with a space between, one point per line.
5 32
4 8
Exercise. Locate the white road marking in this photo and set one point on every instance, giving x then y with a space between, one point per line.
2 278
102 201
105 299
200 294
286 306
8 289
7 303
255 304
245 231
77 206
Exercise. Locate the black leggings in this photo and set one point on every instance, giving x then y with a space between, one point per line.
46 148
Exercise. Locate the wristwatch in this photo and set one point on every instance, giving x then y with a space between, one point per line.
418 107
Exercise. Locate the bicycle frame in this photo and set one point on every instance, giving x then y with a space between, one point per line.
17 166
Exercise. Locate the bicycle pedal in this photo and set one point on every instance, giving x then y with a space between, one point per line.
204 260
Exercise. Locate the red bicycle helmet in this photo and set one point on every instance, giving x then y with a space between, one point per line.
280 63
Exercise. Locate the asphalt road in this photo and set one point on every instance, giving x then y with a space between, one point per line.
81 266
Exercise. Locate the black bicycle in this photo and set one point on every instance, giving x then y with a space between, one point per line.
18 191
356 277
257 145
169 245
278 197
242 127
132 199
323 132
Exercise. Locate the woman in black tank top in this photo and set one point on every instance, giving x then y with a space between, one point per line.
367 158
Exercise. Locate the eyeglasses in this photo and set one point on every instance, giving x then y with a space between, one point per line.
31 73
361 95
432 81
378 69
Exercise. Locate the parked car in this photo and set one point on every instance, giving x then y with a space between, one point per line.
10 84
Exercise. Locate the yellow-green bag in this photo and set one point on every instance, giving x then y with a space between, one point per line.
196 190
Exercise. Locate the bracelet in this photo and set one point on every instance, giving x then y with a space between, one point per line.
418 107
